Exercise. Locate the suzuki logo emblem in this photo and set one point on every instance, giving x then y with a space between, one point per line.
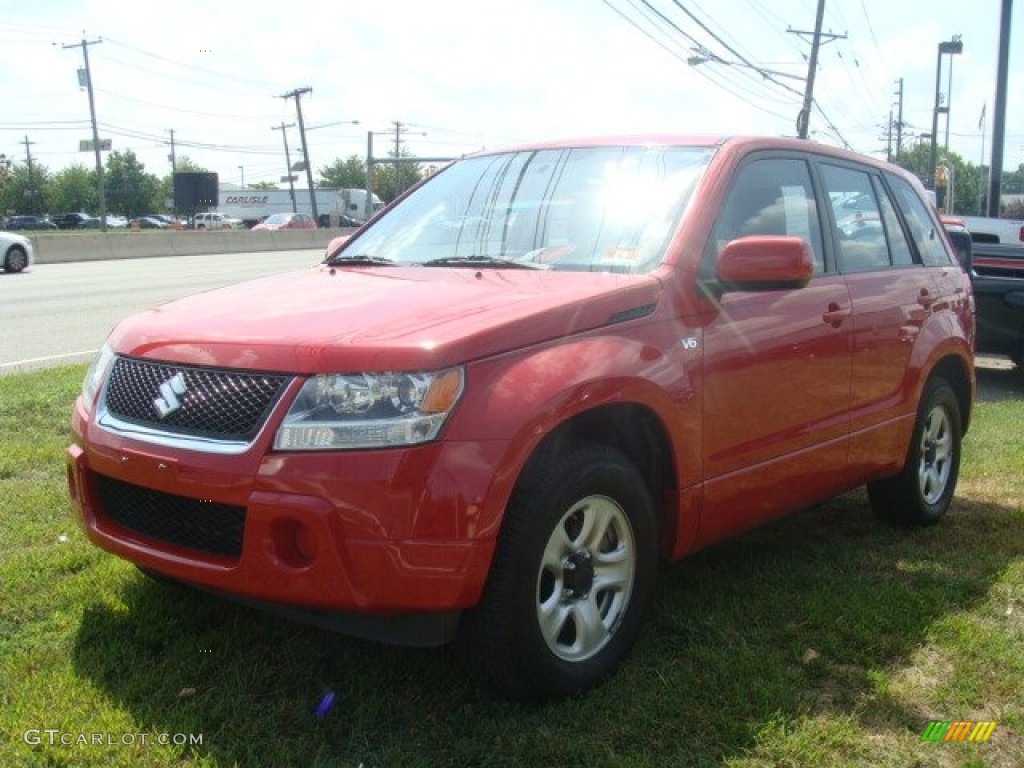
170 391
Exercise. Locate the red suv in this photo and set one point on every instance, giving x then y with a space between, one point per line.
489 413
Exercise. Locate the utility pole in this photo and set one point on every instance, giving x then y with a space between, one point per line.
32 192
899 118
288 160
367 204
888 140
803 119
295 94
171 157
398 137
95 131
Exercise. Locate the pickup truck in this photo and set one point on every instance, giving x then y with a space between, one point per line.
215 221
989 230
998 278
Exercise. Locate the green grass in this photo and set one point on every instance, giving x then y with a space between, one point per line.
825 639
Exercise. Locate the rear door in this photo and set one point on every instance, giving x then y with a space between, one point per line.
893 292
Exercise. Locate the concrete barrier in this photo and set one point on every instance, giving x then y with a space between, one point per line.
126 244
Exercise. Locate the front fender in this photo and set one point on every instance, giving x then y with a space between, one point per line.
521 398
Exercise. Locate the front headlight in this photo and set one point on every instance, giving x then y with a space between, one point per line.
96 375
369 410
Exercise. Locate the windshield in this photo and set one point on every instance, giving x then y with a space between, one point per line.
584 209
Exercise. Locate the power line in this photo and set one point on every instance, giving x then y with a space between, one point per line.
258 86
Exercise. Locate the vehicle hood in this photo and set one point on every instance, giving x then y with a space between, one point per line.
380 319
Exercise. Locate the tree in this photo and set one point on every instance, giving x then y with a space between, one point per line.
186 164
344 174
25 191
263 185
74 189
6 166
130 190
967 177
393 178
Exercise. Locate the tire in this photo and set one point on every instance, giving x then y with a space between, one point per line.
922 493
571 579
16 259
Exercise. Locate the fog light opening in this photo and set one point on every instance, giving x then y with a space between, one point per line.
294 543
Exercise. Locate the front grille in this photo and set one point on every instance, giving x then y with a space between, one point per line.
204 526
225 405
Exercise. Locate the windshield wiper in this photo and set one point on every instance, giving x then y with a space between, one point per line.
360 259
479 261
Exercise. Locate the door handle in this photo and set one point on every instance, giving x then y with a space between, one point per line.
835 314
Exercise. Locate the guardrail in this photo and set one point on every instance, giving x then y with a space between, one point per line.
98 246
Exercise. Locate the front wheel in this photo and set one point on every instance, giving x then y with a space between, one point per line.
922 493
571 578
16 259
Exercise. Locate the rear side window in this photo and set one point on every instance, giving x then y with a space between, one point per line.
768 197
859 227
899 248
923 227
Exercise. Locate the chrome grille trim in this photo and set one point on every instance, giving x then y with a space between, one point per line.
206 409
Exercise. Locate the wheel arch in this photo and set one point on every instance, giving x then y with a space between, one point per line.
957 372
638 433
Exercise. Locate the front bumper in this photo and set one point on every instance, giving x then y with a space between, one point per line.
381 535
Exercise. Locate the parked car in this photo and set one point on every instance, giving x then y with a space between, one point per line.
215 221
113 222
491 410
287 221
17 250
149 222
29 222
170 221
69 220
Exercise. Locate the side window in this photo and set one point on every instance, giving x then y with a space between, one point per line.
899 248
768 197
923 227
859 229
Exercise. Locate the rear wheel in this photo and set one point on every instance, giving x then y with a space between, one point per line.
16 259
570 581
922 493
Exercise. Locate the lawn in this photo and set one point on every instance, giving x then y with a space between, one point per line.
826 639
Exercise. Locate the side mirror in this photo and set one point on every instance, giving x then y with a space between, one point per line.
961 242
764 263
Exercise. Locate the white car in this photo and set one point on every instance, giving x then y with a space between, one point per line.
16 250
216 221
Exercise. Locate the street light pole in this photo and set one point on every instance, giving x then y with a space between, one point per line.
948 47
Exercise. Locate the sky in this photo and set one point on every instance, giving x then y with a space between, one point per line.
463 75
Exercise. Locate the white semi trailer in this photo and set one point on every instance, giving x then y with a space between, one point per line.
341 207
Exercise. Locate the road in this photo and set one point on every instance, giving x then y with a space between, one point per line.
54 314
